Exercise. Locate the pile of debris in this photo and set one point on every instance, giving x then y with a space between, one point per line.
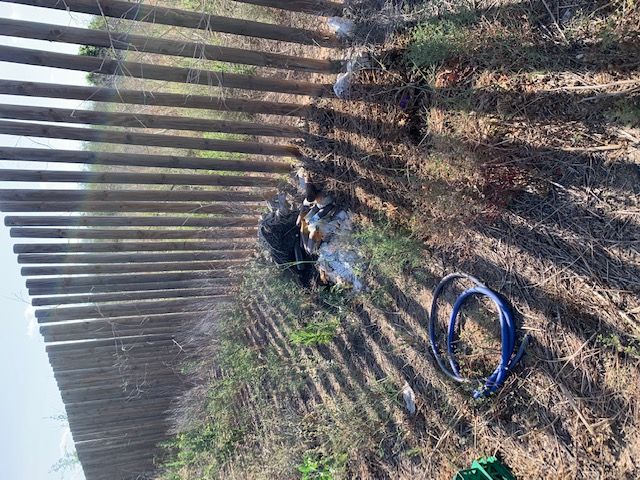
312 235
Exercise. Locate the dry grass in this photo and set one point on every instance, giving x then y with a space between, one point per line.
261 401
513 157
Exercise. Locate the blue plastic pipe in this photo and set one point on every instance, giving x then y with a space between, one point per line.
508 357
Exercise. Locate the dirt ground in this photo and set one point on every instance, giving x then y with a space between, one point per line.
503 137
515 159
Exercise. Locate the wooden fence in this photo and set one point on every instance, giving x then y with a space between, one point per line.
144 244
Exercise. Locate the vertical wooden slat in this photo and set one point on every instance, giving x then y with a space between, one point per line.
147 139
143 307
114 178
135 120
149 71
205 196
139 43
139 160
151 98
183 18
154 284
94 258
128 221
126 296
191 208
130 247
100 269
91 282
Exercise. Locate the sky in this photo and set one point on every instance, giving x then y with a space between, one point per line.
32 436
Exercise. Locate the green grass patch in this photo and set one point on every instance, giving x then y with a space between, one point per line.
625 112
209 446
212 440
315 333
221 433
626 347
316 469
439 39
390 250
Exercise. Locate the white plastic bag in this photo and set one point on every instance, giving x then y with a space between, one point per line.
342 87
409 397
342 27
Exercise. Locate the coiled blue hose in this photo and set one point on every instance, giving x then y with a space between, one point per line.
508 358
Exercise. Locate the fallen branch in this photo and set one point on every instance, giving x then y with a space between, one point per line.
619 83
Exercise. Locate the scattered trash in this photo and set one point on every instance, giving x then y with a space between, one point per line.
326 234
306 186
510 357
489 468
316 232
342 27
566 16
404 101
338 259
342 87
409 397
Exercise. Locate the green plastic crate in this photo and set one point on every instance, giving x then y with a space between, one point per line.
489 468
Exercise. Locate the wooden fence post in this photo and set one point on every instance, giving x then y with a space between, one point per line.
140 43
129 233
148 139
139 120
126 296
128 221
201 196
149 97
64 176
129 247
195 280
142 12
94 258
149 71
144 307
98 280
118 268
189 208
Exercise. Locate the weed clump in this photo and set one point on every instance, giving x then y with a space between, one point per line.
315 469
204 444
315 333
255 412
